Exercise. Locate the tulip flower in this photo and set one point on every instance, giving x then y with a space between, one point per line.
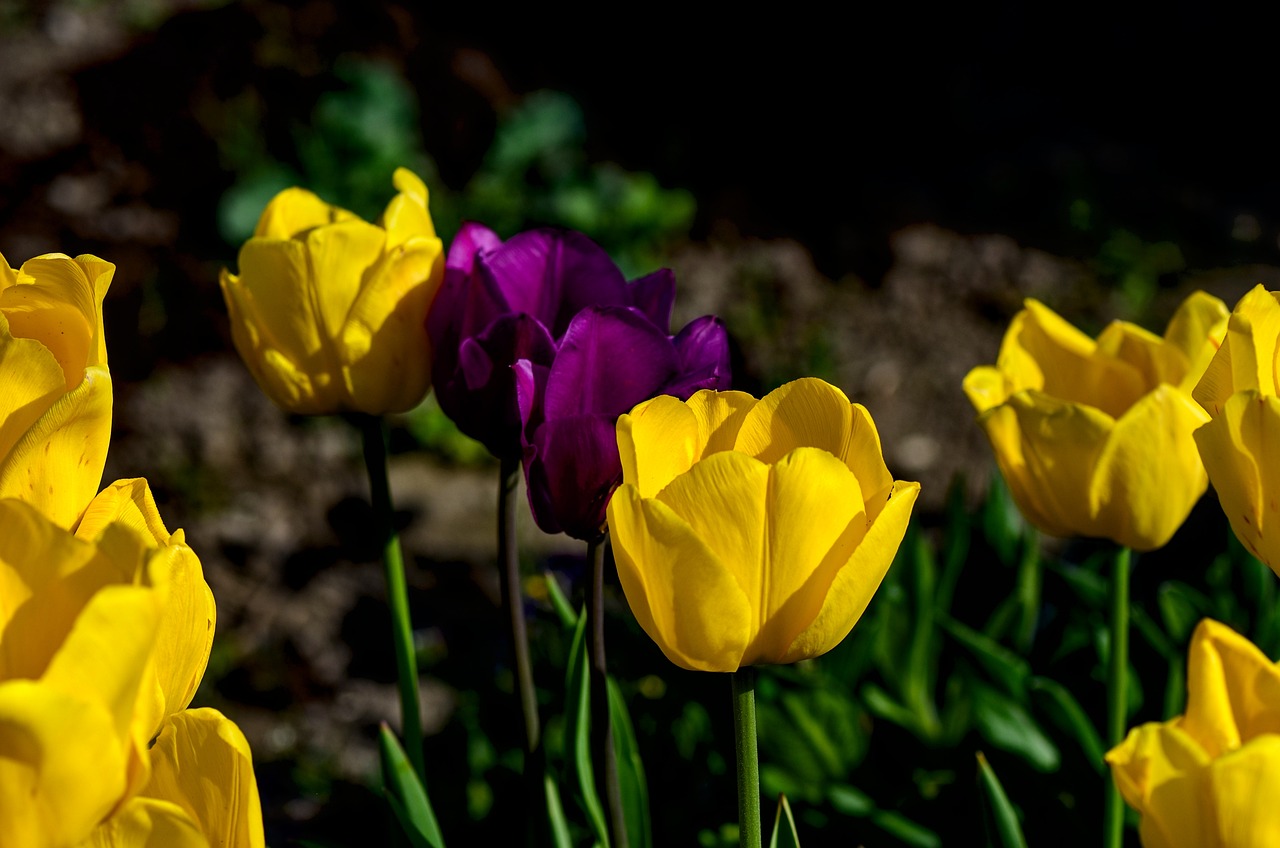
55 410
750 532
1239 390
104 636
329 311
1207 778
520 301
1094 438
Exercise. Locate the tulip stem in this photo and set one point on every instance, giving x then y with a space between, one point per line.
1117 690
604 757
513 600
744 728
374 430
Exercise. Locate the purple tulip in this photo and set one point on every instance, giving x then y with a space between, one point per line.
540 344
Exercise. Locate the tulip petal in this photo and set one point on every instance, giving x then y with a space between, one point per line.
803 413
1156 361
1196 329
276 292
1149 475
57 464
406 216
865 459
148 823
1233 690
61 766
986 387
681 592
1253 332
571 467
1241 787
293 212
657 441
30 381
854 584
1235 448
655 296
339 256
57 312
702 351
1160 772
202 763
814 521
34 553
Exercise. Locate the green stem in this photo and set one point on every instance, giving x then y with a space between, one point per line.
1117 690
513 600
374 430
744 728
604 756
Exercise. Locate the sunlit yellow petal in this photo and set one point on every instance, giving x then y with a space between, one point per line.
406 216
1197 329
1160 772
1253 331
1005 435
293 212
865 459
682 594
1233 690
30 382
720 416
657 441
1156 361
55 318
1241 787
803 413
854 584
339 256
986 387
275 284
148 823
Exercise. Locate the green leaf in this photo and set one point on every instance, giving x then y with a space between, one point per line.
784 827
905 830
1003 829
1001 663
956 548
631 780
406 795
1005 724
1067 714
560 837
560 603
1180 608
1030 579
578 700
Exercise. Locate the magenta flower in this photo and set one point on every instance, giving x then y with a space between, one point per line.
540 344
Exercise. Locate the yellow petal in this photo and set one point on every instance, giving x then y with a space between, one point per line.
147 823
858 578
1233 690
406 216
1196 329
61 767
657 441
720 416
45 312
202 763
31 381
1005 435
804 413
1160 771
34 553
57 464
127 503
1235 449
987 388
294 211
680 591
1253 332
8 276
815 521
865 459
1149 474
1241 786
277 289
384 341
340 257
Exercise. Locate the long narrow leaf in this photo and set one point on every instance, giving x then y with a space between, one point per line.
631 779
405 794
578 702
1002 819
784 827
555 815
1066 712
560 603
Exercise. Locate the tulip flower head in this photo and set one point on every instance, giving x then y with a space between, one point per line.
1239 390
541 344
55 411
1208 778
753 531
1094 437
104 636
329 311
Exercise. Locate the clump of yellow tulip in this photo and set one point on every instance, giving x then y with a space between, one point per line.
329 311
753 531
1208 777
1094 438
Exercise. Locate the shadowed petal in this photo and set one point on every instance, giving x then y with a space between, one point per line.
654 295
703 351
806 412
657 441
148 823
571 467
720 416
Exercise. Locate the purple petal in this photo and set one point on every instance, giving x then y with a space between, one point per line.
610 359
466 302
479 394
571 469
554 274
654 295
531 386
703 351
472 239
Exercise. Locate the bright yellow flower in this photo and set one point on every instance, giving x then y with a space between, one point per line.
329 312
104 636
55 390
1208 778
1094 437
1239 390
750 532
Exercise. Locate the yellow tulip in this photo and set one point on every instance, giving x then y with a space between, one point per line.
750 532
1094 438
1208 778
55 390
329 312
104 636
1239 390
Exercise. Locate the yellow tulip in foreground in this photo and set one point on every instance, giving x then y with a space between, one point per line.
1239 390
1209 777
1094 437
55 390
329 312
104 636
750 532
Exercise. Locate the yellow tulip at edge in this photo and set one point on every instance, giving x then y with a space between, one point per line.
1208 779
1094 438
753 531
55 389
104 636
1239 390
329 312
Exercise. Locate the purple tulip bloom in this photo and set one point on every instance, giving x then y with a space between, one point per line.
540 344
